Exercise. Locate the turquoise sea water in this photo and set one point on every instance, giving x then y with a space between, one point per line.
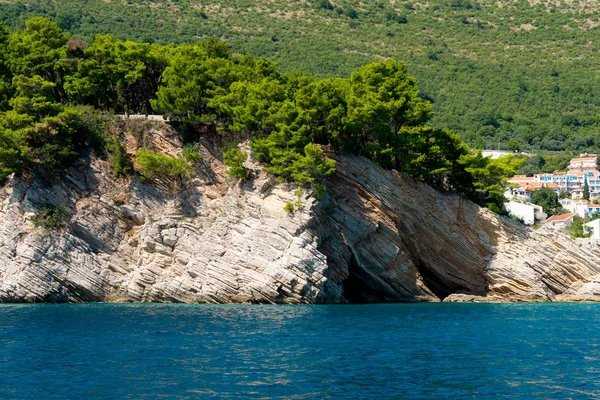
416 351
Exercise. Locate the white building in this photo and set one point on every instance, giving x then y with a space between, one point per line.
523 187
592 208
586 163
577 207
523 193
595 228
527 212
582 208
494 154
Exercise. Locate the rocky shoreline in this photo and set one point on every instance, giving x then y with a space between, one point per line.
377 236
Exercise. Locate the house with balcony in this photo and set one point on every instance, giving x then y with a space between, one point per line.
559 221
576 207
592 208
586 163
522 187
563 181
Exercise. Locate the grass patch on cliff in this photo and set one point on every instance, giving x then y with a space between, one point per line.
153 165
51 217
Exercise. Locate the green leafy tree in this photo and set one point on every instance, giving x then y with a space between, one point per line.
193 78
5 73
256 107
119 159
436 158
13 155
488 177
235 159
42 130
38 50
578 229
382 103
34 97
323 107
548 200
122 76
586 190
309 169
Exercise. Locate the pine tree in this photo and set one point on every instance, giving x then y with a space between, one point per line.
586 190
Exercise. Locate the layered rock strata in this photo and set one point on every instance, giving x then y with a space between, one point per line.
376 236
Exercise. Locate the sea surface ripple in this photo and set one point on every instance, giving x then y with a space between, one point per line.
400 351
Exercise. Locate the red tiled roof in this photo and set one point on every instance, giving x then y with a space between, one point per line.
521 179
538 185
559 218
579 159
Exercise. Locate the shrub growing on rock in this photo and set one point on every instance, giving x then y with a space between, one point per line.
234 159
118 157
155 165
191 152
289 207
51 217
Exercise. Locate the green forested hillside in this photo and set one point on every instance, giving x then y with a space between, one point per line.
522 74
57 95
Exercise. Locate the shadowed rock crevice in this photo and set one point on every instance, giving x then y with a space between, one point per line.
439 286
356 289
362 287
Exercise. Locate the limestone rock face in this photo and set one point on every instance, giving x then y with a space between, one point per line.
376 236
407 241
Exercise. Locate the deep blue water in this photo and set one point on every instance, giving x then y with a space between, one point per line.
417 351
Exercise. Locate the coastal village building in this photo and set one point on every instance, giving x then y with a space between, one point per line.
582 208
576 207
524 187
560 221
584 164
521 192
526 212
581 169
594 228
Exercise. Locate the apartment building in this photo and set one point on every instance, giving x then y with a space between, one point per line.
581 169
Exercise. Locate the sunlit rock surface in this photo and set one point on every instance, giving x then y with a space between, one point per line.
376 236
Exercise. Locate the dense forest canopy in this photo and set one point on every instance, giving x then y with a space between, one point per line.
518 75
55 88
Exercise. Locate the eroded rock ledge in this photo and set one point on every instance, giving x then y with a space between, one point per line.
377 236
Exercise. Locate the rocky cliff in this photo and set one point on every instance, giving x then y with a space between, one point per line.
376 236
